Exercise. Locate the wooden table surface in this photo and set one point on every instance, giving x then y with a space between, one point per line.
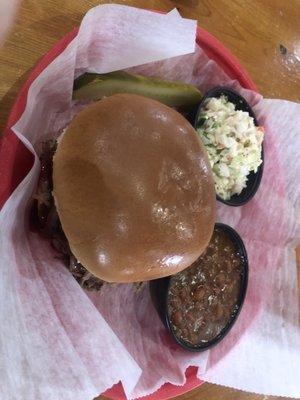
263 34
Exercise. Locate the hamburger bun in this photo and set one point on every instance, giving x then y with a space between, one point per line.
133 189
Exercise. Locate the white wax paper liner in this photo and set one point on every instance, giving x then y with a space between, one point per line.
60 342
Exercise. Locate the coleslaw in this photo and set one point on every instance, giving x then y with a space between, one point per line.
233 144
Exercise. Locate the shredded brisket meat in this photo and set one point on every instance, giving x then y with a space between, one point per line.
48 224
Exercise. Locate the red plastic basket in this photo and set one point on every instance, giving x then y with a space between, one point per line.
16 161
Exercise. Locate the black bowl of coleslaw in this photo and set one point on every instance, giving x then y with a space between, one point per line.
240 104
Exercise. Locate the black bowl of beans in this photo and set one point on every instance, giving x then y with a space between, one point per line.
200 304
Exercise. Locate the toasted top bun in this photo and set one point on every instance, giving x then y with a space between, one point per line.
133 189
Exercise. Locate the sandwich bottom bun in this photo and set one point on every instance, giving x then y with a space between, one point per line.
133 189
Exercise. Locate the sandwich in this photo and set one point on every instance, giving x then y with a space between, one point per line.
126 193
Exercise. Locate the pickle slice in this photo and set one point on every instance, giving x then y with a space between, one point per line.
92 86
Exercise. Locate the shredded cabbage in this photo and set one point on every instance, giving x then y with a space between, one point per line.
233 144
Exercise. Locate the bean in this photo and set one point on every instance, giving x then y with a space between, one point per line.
177 317
220 279
199 293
